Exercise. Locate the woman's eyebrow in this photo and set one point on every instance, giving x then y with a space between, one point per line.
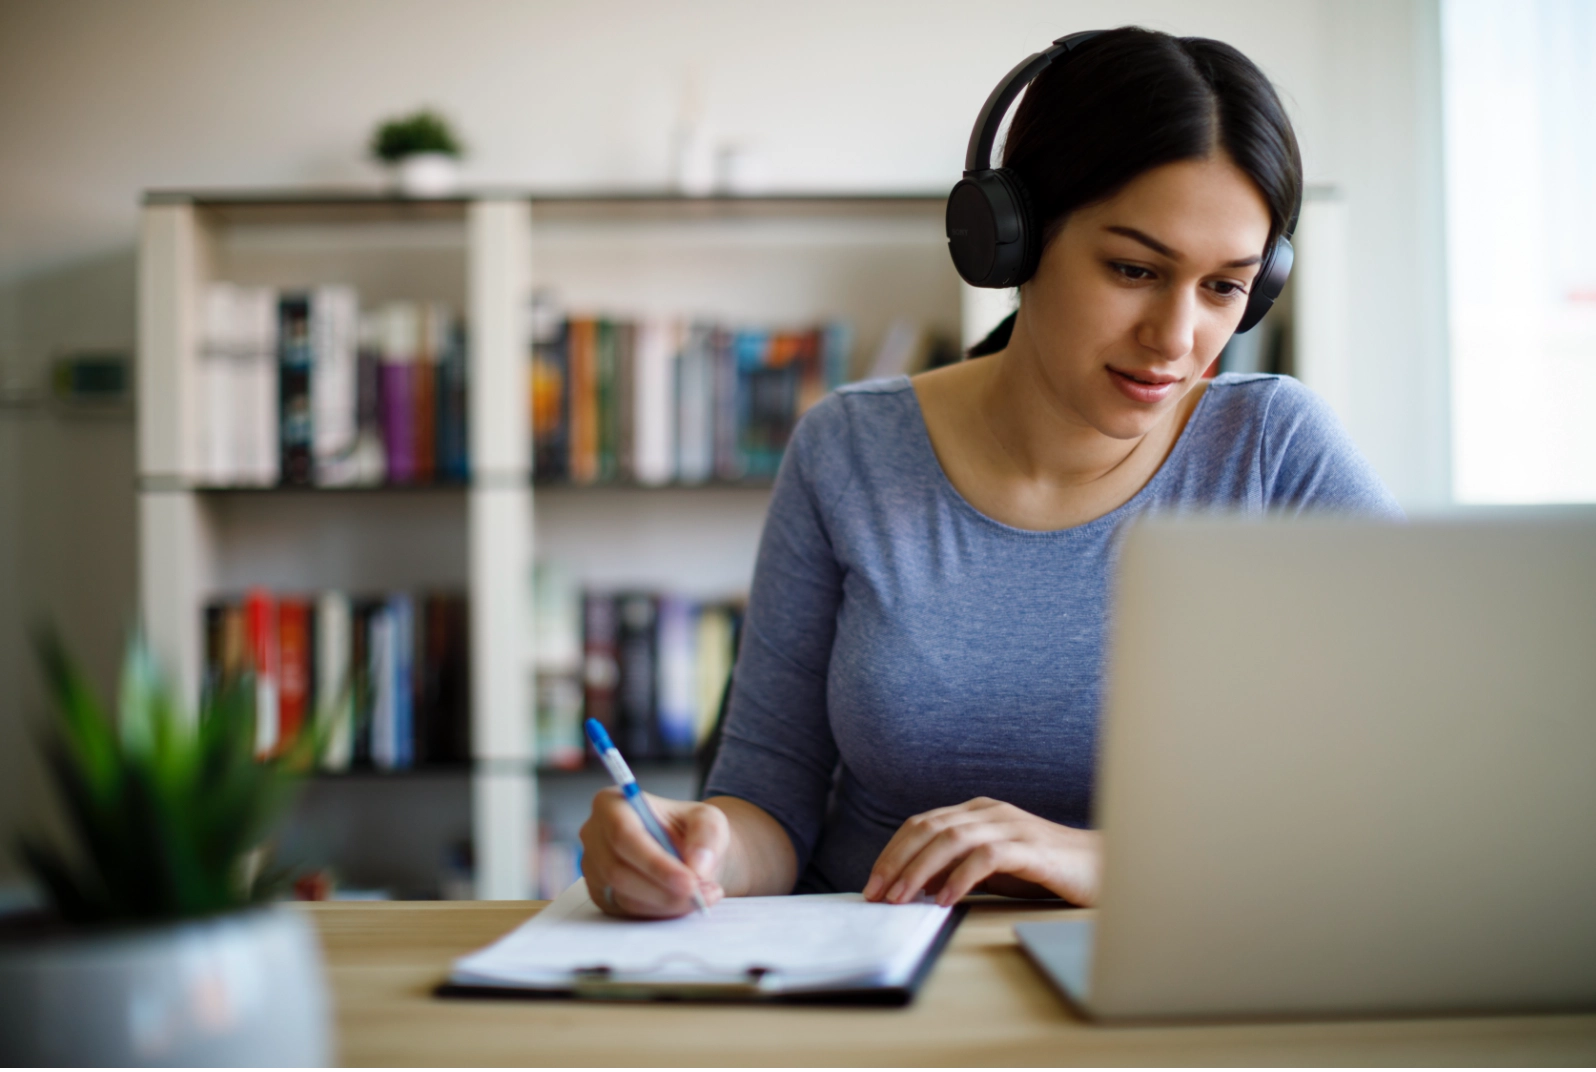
1166 251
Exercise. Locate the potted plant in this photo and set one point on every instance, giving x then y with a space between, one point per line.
422 153
162 944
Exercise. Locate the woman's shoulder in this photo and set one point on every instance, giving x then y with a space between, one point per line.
1276 403
851 421
1277 427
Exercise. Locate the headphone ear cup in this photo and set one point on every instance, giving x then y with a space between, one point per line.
1030 241
991 232
1267 285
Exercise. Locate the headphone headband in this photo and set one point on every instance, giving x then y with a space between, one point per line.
979 155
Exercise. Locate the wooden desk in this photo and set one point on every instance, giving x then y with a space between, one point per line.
983 1005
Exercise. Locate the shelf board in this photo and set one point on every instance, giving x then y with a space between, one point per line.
369 204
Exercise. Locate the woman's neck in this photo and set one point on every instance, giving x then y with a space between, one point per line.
1041 434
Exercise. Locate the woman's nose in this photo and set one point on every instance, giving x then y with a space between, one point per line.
1169 327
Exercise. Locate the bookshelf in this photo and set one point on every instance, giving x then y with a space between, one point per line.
866 259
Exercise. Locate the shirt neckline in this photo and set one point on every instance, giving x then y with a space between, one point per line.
929 456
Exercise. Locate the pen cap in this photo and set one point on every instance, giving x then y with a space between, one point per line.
596 734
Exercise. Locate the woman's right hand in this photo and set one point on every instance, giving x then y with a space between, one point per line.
628 874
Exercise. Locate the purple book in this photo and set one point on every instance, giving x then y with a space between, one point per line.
398 420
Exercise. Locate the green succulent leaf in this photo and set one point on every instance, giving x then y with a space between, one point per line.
166 809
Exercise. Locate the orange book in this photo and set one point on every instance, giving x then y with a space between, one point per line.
584 401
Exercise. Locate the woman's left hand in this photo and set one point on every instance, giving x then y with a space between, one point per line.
951 851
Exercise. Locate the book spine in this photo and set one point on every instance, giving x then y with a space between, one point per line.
600 671
424 381
334 688
625 401
677 667
371 461
453 436
723 365
363 679
260 617
258 440
384 658
550 404
638 685
713 652
294 359
694 444
402 609
334 387
606 398
401 329
655 432
584 402
293 673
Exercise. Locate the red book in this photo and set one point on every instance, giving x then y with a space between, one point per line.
293 669
260 626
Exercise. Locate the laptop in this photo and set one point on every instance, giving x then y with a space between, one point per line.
1347 768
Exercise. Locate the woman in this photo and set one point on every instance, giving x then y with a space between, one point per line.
916 697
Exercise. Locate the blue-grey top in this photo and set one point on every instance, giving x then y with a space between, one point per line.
903 651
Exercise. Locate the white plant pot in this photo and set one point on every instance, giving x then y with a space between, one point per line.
427 175
241 989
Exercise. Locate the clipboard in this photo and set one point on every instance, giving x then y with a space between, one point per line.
753 985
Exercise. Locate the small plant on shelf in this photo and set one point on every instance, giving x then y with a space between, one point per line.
422 151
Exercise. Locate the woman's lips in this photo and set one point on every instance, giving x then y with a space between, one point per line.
1143 386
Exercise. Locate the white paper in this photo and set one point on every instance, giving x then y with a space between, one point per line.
789 943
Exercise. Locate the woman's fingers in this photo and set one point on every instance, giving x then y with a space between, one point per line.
628 873
912 837
702 833
979 865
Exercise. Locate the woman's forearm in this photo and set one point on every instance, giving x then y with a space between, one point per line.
760 860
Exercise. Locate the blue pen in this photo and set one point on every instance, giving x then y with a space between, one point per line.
610 756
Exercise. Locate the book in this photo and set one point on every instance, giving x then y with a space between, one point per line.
637 686
749 948
654 409
363 673
402 622
260 624
600 666
695 443
676 708
431 338
334 384
550 388
454 439
293 669
335 651
584 411
443 695
384 679
294 360
713 654
606 389
401 329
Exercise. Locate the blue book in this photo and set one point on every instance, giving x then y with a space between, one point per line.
402 615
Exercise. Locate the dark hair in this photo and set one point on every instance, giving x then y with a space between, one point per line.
1130 100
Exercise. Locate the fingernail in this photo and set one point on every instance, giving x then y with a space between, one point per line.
896 892
872 887
702 861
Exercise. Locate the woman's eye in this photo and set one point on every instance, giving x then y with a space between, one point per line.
1131 271
1227 289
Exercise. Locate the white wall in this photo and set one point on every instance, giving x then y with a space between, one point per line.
100 99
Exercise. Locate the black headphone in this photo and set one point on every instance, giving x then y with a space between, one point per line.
993 233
